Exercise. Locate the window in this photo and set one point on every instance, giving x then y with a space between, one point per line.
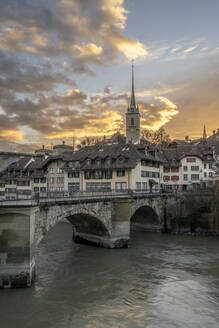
132 121
36 180
87 175
88 161
166 178
205 174
74 174
185 177
10 190
51 170
59 170
166 169
98 162
195 177
185 168
98 186
150 174
210 174
121 186
194 168
138 185
52 180
144 185
36 189
155 175
98 174
108 174
175 178
60 180
174 169
42 189
108 161
120 173
43 180
190 159
210 166
205 166
73 187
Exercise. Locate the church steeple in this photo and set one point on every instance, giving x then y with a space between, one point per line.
204 133
132 104
133 107
132 117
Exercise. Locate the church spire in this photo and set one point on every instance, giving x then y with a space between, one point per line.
132 104
204 134
133 107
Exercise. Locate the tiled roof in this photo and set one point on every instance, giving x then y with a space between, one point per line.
129 154
172 156
20 164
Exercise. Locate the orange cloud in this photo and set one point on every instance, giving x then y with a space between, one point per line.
12 135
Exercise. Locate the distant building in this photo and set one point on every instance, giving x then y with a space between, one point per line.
43 151
188 167
133 118
59 149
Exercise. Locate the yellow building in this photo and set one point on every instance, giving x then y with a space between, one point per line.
121 167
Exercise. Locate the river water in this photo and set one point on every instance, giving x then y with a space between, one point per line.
160 281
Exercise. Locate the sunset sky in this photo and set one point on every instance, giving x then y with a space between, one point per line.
65 68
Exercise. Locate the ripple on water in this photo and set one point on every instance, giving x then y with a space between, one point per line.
161 281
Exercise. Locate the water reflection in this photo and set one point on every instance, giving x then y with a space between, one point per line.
160 281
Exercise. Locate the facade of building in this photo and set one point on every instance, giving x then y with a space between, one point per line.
121 167
189 167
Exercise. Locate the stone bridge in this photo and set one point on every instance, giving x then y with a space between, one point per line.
100 222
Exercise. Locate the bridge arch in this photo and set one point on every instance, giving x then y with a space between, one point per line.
146 215
88 229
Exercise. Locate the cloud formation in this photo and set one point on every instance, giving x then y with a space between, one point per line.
43 46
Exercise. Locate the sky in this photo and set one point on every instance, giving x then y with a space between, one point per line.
65 68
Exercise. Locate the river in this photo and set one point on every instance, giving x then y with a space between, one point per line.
160 281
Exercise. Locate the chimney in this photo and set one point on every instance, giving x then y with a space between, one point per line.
213 132
43 147
63 142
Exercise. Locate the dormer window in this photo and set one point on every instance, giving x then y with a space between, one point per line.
121 159
98 162
108 161
88 161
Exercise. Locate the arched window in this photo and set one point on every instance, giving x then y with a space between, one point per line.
132 121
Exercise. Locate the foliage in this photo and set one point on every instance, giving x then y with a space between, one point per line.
159 137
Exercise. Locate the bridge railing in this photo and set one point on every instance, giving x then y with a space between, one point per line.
102 194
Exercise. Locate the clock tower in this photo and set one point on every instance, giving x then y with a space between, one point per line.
132 118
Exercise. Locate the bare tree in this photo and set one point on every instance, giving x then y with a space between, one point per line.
159 137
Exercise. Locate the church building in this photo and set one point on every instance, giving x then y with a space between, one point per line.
133 118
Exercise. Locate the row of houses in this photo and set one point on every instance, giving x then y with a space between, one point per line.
106 168
98 168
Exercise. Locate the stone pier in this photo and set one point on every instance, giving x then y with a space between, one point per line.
111 228
17 262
